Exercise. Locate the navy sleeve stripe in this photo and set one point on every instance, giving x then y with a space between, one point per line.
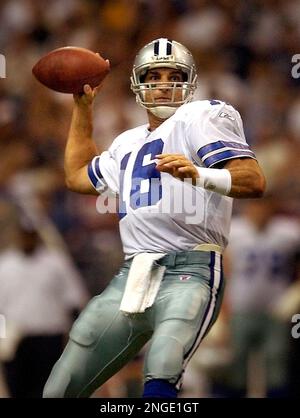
218 145
224 150
92 176
97 168
227 155
94 173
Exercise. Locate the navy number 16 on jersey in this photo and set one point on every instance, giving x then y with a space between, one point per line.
145 180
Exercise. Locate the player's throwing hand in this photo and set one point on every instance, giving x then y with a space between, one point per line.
89 94
178 166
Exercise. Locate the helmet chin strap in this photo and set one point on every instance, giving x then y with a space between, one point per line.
163 112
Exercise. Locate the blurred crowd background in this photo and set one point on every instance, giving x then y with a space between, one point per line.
243 52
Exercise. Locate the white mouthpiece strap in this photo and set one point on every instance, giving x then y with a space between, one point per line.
215 180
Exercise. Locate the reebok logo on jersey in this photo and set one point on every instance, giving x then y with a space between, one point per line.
184 277
226 115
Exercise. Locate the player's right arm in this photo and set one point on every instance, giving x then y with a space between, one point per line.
80 148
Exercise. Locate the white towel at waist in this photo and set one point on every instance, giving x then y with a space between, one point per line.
142 283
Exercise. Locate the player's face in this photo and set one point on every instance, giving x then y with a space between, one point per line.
164 92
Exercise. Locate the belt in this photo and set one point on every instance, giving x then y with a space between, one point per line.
208 247
199 254
195 256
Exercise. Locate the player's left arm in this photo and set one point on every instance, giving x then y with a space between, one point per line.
244 176
220 158
247 178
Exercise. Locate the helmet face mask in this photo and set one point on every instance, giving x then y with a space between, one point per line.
163 53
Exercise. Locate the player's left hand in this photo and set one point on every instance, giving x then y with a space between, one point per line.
178 166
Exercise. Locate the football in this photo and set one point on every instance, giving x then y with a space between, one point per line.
68 69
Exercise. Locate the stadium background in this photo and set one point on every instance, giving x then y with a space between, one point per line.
244 56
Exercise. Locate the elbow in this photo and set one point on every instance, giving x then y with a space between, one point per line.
70 183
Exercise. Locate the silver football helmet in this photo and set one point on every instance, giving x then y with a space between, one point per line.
164 53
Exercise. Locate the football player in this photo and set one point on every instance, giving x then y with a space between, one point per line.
169 289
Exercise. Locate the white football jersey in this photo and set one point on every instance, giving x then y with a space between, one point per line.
159 213
262 262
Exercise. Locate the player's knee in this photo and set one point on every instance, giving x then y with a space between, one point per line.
164 360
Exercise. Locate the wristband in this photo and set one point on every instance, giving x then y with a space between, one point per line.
215 180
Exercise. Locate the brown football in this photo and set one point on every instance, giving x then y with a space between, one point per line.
69 68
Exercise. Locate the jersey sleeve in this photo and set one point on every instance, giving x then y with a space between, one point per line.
216 135
103 172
